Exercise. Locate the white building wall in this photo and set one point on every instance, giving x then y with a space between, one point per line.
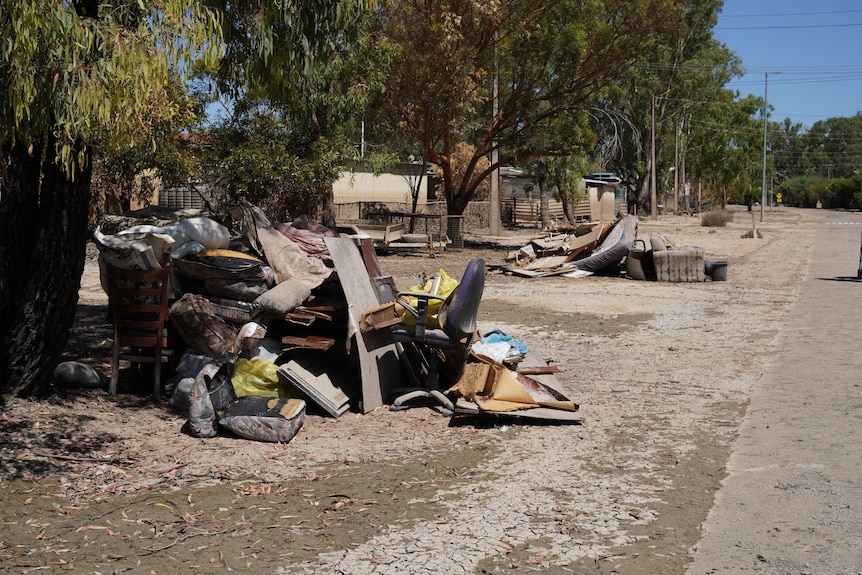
353 187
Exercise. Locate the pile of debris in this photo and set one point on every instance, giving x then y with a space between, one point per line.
275 318
613 248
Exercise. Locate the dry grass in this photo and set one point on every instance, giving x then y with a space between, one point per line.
716 218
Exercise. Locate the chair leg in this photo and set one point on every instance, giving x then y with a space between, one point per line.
115 370
433 370
157 373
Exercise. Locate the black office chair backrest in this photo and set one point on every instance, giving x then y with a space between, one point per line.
458 315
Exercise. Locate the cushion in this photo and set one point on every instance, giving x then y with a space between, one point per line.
283 298
222 266
234 311
657 242
247 289
264 418
195 319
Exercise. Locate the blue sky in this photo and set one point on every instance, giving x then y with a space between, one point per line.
811 52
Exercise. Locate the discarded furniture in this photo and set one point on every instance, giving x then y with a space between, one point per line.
681 265
382 234
639 262
139 308
449 233
531 392
457 328
319 381
594 247
613 248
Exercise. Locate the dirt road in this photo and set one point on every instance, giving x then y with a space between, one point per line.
676 382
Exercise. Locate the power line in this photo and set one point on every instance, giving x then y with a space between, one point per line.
789 14
805 69
794 27
822 80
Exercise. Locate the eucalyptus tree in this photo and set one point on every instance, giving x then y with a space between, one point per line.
564 176
78 74
678 77
271 158
314 79
833 147
549 57
725 146
788 148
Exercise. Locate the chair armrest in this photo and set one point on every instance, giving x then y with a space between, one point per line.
420 312
422 296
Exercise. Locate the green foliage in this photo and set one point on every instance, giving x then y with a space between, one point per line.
100 77
805 192
260 155
787 148
274 47
833 147
846 192
682 72
78 75
123 174
565 174
550 57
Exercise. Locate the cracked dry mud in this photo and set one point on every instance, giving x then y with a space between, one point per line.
662 373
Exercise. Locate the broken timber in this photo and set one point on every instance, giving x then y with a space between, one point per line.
378 358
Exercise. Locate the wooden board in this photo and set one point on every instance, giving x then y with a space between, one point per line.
378 357
319 384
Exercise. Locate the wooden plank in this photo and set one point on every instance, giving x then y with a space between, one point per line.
378 357
538 369
546 263
319 383
307 342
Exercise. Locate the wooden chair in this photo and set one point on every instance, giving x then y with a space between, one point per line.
139 308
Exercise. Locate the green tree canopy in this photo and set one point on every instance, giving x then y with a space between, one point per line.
550 57
80 73
273 160
74 75
678 83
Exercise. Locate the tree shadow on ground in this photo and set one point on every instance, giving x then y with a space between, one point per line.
39 438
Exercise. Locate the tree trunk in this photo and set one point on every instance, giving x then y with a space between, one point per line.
415 188
43 234
643 182
327 210
565 200
544 201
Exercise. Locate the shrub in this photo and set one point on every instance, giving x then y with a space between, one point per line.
716 218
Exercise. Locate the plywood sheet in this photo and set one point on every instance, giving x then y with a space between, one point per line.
318 383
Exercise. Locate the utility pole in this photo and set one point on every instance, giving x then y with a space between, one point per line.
653 208
676 175
494 200
765 108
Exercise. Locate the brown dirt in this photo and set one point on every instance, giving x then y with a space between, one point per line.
662 373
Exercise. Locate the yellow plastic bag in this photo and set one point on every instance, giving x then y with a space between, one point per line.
258 377
441 284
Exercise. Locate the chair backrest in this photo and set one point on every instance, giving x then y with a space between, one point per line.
458 314
139 304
